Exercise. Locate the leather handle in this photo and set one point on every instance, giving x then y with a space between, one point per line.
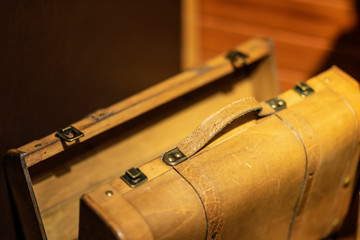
212 125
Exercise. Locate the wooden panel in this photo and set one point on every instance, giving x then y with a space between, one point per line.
303 17
307 34
60 60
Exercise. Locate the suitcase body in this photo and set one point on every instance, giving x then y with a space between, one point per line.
47 177
284 169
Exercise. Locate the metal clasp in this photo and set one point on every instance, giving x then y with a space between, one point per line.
134 177
276 103
69 134
174 157
237 58
303 89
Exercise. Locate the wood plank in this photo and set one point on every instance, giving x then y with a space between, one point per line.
287 77
190 51
294 16
303 57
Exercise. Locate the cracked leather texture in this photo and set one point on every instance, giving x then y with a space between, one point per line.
218 120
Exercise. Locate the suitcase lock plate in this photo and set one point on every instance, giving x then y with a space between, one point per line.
237 58
303 89
69 134
134 177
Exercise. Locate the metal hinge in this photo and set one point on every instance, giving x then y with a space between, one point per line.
134 177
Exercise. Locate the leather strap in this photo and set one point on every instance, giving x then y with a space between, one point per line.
212 125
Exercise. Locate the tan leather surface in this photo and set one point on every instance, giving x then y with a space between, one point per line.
167 205
298 224
111 208
246 176
174 211
278 177
218 120
306 135
335 125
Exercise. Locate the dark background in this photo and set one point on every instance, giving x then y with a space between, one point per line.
60 60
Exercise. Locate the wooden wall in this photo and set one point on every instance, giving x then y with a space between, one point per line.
61 60
309 35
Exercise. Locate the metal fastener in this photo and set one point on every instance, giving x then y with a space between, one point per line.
237 59
336 223
69 134
174 157
276 103
347 182
109 193
303 89
134 177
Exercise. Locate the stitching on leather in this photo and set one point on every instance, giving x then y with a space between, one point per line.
208 196
202 203
354 146
302 188
196 144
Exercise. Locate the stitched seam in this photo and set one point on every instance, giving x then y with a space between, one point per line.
202 203
348 164
302 188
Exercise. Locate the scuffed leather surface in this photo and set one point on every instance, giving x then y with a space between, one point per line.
206 191
218 120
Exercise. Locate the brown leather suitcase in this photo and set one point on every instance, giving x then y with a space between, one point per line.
47 177
281 169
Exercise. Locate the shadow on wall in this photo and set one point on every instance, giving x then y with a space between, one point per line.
346 51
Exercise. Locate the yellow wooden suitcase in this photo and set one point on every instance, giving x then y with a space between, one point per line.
280 169
48 176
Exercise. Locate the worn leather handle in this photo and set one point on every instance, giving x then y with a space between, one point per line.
212 125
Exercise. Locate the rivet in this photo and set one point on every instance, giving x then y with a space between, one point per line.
336 223
109 193
177 155
281 103
238 62
170 159
327 80
273 105
347 182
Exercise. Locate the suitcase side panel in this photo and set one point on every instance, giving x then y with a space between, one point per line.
249 183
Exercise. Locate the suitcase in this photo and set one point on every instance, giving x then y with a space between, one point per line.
280 169
47 177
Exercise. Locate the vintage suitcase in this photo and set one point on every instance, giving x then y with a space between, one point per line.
47 177
283 169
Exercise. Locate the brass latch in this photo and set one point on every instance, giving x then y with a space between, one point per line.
303 89
237 58
69 134
134 177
